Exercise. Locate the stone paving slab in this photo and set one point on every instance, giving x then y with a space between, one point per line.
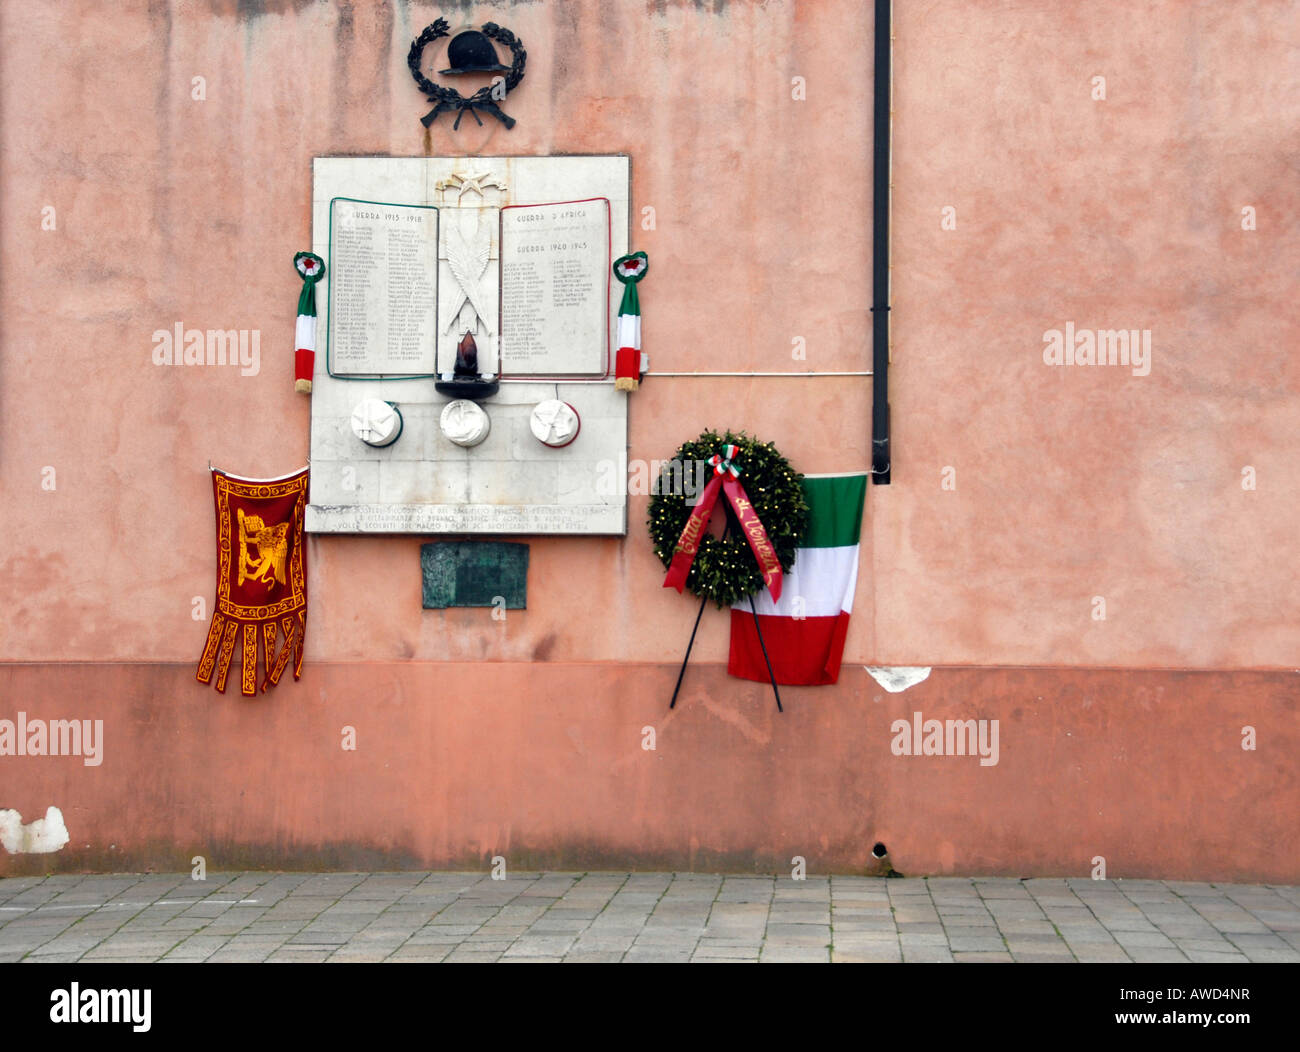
650 917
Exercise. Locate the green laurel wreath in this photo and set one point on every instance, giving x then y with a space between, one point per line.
725 569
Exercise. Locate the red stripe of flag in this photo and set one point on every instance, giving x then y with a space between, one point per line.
804 652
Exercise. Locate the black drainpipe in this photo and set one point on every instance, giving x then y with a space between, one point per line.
880 255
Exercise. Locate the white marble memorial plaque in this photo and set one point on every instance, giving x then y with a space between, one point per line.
428 479
555 269
383 288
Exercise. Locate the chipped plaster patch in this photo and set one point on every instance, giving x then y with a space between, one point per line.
898 678
38 838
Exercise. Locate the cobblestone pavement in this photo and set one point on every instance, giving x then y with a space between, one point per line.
638 917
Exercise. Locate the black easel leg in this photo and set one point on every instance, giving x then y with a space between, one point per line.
770 674
673 703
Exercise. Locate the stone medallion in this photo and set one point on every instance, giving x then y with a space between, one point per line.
376 423
554 423
464 422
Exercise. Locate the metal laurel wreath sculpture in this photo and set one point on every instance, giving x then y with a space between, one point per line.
451 100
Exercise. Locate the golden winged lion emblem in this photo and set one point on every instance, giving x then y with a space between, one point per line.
272 544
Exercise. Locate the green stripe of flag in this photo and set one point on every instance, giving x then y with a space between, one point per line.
835 509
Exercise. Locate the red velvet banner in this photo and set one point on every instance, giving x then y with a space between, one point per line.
261 578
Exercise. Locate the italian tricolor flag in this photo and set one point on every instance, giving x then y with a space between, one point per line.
804 631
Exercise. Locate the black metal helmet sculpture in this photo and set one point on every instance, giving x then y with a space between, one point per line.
472 52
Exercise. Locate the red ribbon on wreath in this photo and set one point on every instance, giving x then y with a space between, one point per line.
726 478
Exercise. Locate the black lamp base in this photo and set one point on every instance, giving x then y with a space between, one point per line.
475 390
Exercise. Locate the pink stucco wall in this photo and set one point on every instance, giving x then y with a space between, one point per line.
1071 483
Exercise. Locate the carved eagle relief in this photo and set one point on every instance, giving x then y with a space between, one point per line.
467 258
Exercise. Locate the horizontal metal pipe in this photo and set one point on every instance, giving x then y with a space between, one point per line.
603 380
802 373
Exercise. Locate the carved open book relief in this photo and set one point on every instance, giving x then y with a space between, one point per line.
527 284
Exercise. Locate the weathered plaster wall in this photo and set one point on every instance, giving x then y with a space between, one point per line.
456 763
1071 483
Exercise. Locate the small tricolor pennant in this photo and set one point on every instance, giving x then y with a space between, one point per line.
629 363
311 268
